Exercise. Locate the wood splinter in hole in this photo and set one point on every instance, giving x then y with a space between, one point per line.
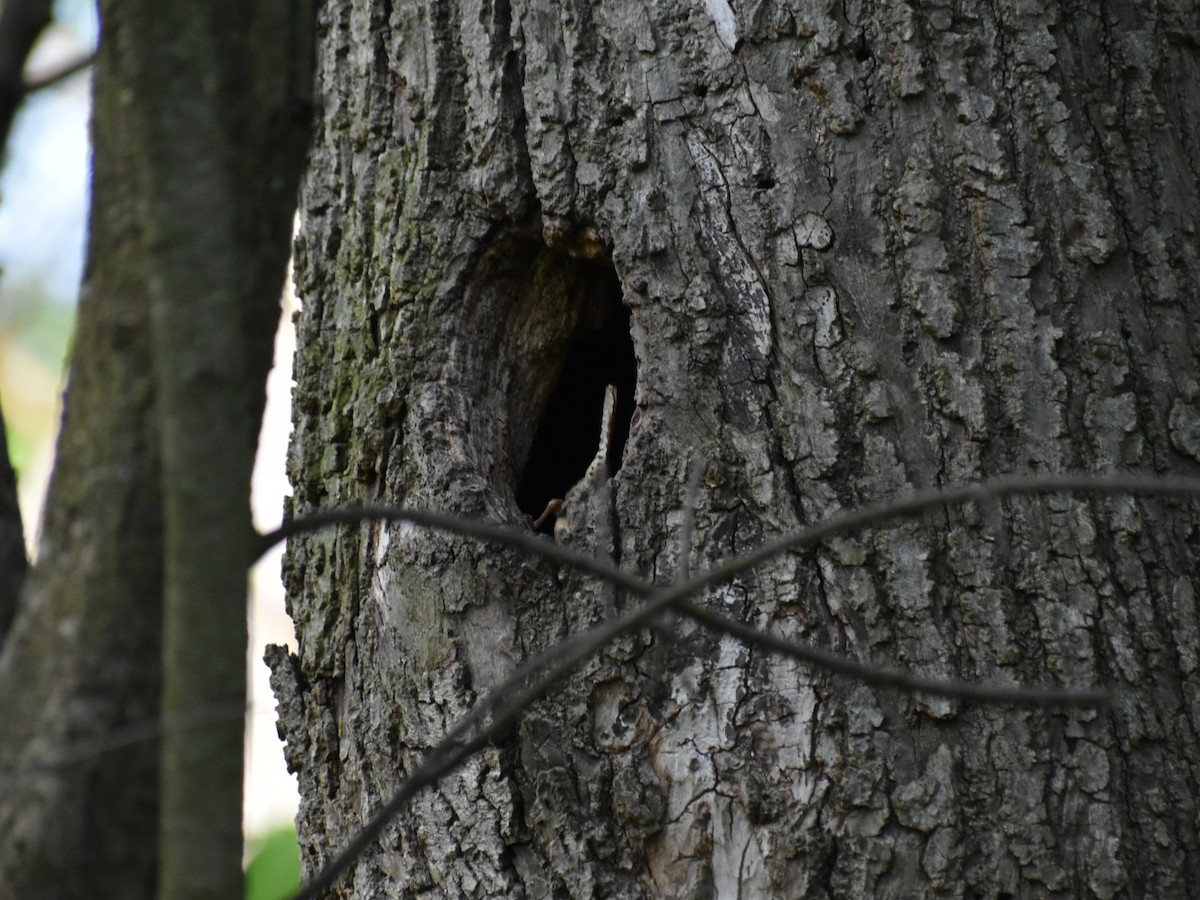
596 471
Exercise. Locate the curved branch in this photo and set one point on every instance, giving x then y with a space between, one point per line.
897 679
21 21
563 659
507 536
60 74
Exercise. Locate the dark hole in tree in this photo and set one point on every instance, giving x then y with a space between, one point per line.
568 435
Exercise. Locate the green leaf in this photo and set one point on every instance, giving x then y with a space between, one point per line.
274 869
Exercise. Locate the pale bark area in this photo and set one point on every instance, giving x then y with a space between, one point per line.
866 248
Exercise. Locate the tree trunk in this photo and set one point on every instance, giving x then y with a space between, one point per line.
199 137
13 563
837 252
80 673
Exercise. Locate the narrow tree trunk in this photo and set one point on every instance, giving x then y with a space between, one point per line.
220 130
837 253
13 562
200 124
80 671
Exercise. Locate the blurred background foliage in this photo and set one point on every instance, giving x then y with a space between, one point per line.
43 214
273 872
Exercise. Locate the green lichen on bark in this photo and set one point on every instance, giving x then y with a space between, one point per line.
864 250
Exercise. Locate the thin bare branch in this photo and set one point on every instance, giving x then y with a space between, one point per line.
569 655
125 737
922 501
520 538
21 22
512 698
897 679
61 74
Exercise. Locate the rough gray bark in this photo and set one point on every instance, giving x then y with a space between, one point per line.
864 248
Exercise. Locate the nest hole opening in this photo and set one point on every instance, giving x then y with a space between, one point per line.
600 352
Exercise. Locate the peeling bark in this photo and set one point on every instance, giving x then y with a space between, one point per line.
865 249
